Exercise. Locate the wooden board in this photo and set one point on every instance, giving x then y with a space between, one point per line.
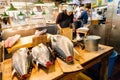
37 74
0 67
22 42
53 72
1 51
67 32
94 22
69 67
39 39
7 70
28 41
76 76
84 56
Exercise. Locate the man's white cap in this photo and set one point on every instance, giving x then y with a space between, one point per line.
69 8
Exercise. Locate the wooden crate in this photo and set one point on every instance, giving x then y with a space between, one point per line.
67 32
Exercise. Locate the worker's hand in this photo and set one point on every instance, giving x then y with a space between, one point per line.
61 31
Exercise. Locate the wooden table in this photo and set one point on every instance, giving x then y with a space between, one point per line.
36 74
88 59
81 57
54 72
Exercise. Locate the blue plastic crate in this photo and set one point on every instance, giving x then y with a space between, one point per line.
112 59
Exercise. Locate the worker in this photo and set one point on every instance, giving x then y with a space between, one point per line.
65 19
77 14
84 17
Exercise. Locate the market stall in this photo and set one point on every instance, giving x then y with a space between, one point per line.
83 60
42 52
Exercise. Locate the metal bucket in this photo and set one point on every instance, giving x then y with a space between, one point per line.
91 42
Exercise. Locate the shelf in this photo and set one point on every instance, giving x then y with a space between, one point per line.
100 6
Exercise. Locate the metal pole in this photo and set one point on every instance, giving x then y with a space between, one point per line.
26 7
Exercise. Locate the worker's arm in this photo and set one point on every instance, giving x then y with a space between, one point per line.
72 23
58 20
59 27
81 16
73 27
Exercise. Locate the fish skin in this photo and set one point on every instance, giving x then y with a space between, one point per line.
21 63
63 47
41 55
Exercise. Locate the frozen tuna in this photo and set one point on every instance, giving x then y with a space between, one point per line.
63 47
41 55
21 63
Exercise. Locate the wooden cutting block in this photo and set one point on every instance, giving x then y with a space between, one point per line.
69 67
39 39
51 73
67 32
22 42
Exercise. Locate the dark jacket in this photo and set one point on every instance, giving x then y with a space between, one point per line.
64 20
84 17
